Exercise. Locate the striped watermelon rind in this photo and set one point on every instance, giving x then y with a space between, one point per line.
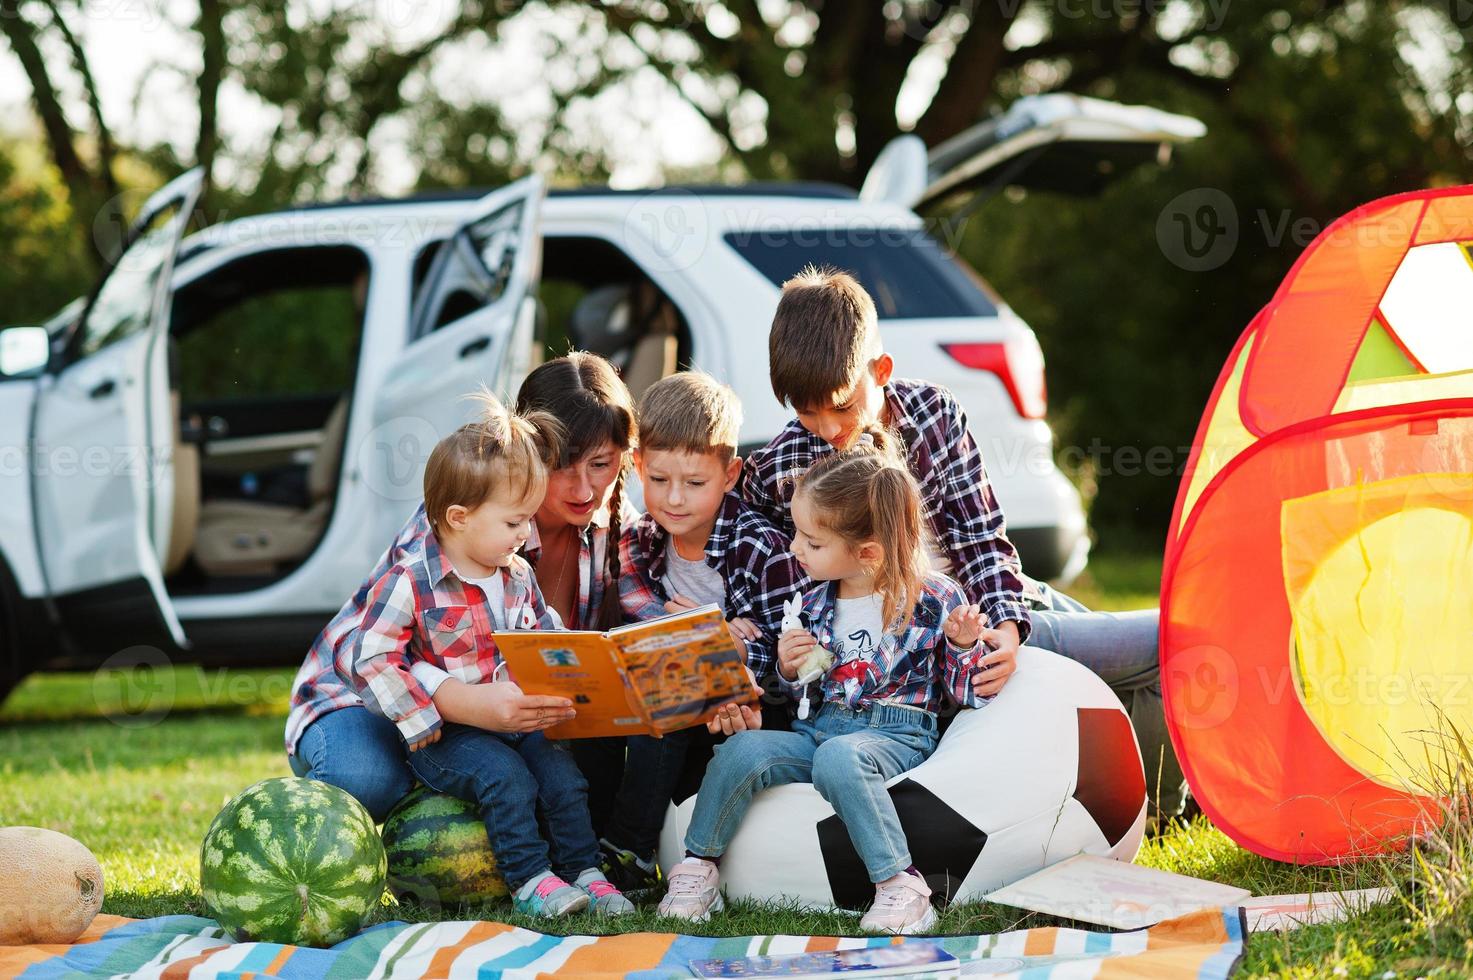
438 851
292 861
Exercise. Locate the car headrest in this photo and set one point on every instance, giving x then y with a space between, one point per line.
602 321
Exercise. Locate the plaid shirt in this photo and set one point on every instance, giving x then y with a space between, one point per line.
422 612
912 667
757 568
960 509
319 687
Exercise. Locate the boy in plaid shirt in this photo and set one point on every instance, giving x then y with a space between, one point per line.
697 544
826 360
422 655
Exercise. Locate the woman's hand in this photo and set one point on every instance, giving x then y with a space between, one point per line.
994 669
792 648
963 626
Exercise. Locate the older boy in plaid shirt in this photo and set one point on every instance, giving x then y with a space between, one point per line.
827 361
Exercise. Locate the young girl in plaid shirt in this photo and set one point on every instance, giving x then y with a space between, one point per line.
430 617
901 636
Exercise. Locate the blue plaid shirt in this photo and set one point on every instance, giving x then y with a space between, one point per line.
753 557
912 667
957 501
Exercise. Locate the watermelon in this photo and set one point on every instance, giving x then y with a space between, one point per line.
292 861
438 851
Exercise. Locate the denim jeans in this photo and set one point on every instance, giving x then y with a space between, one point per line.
847 755
1123 649
631 780
516 779
358 751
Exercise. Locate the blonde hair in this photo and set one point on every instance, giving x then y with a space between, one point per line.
824 333
499 454
690 412
867 493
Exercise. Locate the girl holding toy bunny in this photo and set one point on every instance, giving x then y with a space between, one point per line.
886 639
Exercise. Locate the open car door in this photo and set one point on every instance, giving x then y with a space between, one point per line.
1057 142
102 439
472 325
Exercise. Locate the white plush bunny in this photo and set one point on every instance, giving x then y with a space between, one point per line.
819 659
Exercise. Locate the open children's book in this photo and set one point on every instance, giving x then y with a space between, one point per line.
647 678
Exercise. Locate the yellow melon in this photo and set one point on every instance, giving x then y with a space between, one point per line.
50 887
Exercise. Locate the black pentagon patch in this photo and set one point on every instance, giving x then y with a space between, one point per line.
943 845
1112 793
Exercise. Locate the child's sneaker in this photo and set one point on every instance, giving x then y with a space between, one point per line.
902 906
628 871
693 894
607 900
549 896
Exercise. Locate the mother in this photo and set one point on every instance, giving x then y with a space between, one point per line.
331 736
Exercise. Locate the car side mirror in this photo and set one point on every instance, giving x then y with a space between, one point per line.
24 351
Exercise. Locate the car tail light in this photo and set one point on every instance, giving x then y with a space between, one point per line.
1017 362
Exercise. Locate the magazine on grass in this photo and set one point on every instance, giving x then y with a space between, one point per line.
911 959
647 678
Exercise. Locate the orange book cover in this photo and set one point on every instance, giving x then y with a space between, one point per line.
647 678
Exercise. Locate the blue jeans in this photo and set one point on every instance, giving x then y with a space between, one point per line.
631 780
1123 649
358 751
847 755
516 779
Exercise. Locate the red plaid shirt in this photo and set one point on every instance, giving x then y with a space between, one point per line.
593 563
956 497
758 570
421 611
319 687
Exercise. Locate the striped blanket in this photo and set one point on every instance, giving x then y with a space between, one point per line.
1205 945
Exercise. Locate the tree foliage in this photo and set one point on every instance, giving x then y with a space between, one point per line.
1314 106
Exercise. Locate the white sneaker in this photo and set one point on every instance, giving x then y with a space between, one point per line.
693 894
902 907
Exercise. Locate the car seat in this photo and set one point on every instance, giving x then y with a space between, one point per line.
633 326
243 537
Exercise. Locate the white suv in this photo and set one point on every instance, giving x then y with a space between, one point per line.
200 459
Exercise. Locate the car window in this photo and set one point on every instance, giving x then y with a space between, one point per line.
472 269
125 301
909 275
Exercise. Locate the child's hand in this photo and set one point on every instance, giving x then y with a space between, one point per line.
504 708
963 626
679 603
429 739
994 669
733 718
792 647
743 631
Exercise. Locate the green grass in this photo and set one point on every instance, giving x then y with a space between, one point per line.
136 764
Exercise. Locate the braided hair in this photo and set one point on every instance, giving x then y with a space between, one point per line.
583 392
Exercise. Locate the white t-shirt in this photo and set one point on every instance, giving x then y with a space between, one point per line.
858 625
495 601
695 580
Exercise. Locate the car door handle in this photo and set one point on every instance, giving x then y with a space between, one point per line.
104 389
475 346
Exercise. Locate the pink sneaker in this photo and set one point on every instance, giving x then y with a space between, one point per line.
693 894
902 907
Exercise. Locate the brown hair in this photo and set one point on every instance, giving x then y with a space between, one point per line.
824 333
690 412
582 391
499 454
867 493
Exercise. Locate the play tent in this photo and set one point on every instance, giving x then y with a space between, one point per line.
1317 595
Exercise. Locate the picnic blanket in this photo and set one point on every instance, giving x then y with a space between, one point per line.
1205 945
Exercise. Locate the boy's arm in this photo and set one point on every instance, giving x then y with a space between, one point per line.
778 578
983 559
378 651
758 487
639 597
